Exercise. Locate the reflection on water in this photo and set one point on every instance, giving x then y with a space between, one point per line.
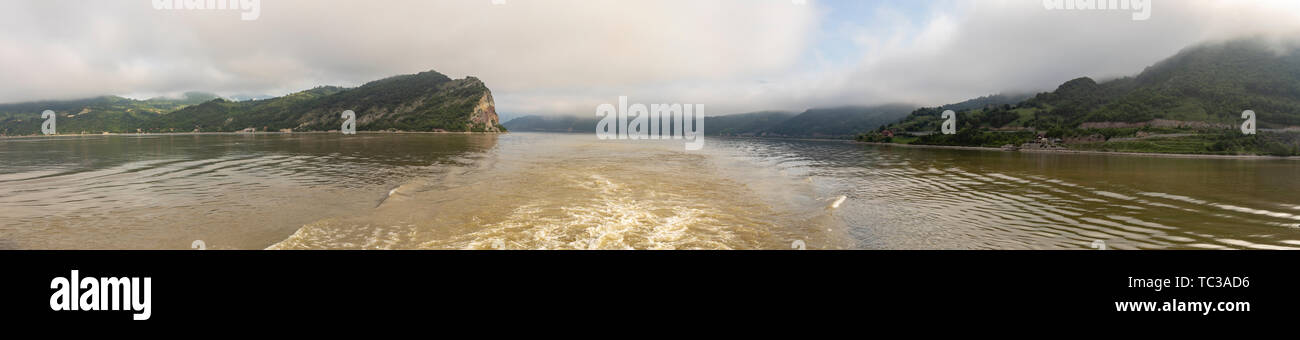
232 191
909 198
560 191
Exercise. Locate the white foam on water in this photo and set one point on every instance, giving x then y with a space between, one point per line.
1173 197
1114 195
558 202
1252 245
838 201
613 219
1256 211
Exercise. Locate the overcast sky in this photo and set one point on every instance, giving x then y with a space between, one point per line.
568 56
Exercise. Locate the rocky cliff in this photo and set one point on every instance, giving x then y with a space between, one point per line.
485 113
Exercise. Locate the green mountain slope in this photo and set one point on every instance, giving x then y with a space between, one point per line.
1195 98
93 115
1211 83
428 101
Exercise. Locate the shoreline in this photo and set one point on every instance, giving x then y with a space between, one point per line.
849 141
984 148
1044 151
1087 152
243 133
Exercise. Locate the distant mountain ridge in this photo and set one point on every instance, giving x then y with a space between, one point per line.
535 123
746 124
841 122
427 101
989 101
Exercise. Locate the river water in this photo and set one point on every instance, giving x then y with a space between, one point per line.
572 191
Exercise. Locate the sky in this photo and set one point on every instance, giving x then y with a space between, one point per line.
565 57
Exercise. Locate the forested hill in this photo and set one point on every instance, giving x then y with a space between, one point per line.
428 101
93 115
1198 94
1209 83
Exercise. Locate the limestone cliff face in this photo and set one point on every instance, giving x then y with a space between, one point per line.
485 113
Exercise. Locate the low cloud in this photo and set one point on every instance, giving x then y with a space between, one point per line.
527 51
567 56
979 48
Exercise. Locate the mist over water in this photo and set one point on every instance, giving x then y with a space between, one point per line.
572 191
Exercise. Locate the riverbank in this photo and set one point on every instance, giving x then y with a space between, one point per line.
248 133
949 147
1085 152
1058 150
